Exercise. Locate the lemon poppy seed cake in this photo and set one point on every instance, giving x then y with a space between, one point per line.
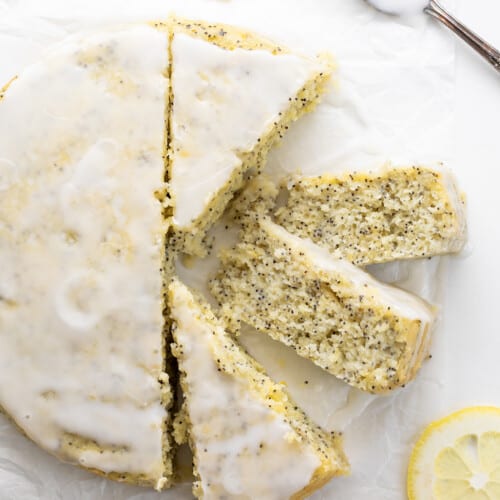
118 152
248 437
234 94
375 217
82 251
368 334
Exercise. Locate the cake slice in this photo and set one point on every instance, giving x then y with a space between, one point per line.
248 438
83 367
368 334
234 94
375 217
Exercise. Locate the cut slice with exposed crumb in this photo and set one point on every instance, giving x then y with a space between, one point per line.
234 95
248 437
370 335
374 217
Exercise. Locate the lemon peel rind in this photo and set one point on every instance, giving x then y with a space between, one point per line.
427 434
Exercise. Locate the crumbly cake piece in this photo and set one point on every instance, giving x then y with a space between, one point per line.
234 95
248 437
82 247
255 201
368 334
375 217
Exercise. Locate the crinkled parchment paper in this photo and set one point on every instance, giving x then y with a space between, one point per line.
392 99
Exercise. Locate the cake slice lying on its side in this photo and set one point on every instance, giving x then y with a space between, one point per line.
234 95
368 334
248 438
375 217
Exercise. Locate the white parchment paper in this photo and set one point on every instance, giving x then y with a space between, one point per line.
392 99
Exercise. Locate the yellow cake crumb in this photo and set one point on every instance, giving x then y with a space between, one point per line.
375 217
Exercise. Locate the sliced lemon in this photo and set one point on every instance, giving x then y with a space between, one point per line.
458 458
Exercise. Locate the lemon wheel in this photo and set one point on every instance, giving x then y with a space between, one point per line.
458 458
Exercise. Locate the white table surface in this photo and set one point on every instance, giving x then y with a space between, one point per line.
469 336
472 332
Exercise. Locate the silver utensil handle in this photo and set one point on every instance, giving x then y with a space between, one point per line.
486 50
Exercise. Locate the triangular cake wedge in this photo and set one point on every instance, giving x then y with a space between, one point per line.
248 437
379 216
371 335
82 253
234 95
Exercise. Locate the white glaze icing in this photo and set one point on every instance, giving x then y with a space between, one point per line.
224 101
81 235
229 423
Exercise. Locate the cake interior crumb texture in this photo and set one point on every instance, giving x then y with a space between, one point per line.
375 217
247 435
368 334
234 95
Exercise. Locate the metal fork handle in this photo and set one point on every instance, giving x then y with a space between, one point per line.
486 50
